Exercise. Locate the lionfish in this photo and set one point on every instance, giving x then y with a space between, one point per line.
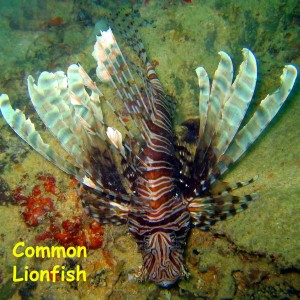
143 174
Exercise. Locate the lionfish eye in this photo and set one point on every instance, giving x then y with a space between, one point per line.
153 275
173 238
146 238
147 241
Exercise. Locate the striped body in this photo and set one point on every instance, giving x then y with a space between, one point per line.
156 165
143 175
161 232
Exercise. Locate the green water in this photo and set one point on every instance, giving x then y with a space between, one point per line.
253 256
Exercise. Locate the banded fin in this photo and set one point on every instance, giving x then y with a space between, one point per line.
222 110
185 156
225 107
236 103
204 92
206 211
126 24
218 97
221 186
221 142
112 68
52 102
111 208
25 129
264 114
75 118
104 211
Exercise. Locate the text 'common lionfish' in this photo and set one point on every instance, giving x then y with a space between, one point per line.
141 173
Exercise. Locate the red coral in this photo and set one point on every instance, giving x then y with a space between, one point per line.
49 184
36 191
44 236
94 233
38 208
18 195
75 233
79 234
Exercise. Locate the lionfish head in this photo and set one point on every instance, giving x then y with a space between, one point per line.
163 258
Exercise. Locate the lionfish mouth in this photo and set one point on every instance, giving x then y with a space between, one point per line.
168 280
167 283
164 274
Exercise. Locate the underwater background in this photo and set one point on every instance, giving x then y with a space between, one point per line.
256 255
